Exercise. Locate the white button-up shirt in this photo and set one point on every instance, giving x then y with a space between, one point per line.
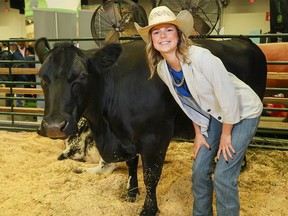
217 91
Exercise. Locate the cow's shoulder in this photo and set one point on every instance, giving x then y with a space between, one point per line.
105 57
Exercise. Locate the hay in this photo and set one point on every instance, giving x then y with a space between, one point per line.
34 182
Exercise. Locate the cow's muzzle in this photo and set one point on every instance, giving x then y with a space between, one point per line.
58 129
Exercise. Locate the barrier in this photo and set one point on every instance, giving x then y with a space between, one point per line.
27 118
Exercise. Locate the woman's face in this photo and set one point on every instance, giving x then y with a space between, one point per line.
165 38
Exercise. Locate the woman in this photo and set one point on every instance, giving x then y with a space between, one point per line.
224 110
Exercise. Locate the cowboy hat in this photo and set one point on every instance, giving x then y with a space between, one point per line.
162 14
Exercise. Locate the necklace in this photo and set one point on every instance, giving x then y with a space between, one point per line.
173 78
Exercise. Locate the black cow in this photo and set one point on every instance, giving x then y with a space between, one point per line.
127 113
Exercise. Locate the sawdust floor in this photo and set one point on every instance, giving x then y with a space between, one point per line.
33 182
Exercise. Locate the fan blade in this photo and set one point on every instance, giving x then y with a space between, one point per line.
200 25
192 4
111 10
112 37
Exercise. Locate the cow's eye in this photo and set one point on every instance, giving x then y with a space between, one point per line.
83 75
76 90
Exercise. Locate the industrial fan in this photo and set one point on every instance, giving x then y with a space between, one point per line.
206 13
114 19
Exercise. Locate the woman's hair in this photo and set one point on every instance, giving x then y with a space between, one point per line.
154 56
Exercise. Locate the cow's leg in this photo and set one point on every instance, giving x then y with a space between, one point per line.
75 146
74 149
132 185
152 161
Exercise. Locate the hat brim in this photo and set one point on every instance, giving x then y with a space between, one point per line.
183 21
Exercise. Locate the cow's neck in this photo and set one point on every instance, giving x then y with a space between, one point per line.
99 102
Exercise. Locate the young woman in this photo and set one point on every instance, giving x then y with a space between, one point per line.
224 110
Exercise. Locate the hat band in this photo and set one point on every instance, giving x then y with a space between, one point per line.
163 15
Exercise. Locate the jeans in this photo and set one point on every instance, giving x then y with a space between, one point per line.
225 174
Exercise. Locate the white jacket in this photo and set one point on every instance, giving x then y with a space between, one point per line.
217 91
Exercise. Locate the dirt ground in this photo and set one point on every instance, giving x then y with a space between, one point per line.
34 183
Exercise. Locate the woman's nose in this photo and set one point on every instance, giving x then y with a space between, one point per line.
163 34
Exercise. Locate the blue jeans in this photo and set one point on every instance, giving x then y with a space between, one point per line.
225 174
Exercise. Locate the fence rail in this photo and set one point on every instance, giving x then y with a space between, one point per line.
18 71
31 114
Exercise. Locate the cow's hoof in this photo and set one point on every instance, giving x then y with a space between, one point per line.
62 157
126 198
150 212
131 197
132 194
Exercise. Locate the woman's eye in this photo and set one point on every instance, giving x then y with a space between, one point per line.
155 32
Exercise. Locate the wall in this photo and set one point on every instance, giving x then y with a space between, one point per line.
242 17
12 24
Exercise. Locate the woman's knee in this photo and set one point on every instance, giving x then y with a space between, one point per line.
201 171
225 175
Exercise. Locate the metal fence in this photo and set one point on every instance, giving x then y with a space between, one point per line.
28 118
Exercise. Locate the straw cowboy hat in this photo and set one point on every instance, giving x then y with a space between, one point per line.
162 14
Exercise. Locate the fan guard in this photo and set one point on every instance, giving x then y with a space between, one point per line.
114 19
206 13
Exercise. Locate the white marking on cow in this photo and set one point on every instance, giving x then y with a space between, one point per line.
82 147
102 168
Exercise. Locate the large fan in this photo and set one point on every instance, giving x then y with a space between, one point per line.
206 13
114 19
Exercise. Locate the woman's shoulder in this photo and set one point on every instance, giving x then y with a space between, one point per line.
197 48
196 51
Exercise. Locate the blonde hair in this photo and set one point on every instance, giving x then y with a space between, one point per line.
154 56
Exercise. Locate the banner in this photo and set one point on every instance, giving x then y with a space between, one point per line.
61 5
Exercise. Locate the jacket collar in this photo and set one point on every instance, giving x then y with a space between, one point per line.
188 73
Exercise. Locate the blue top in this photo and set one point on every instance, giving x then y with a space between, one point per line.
177 76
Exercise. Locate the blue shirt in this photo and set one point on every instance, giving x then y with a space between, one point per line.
177 76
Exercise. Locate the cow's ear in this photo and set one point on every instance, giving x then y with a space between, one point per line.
106 56
42 49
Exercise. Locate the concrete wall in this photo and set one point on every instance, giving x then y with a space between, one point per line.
242 17
12 24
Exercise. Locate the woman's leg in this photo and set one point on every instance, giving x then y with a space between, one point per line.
202 184
226 174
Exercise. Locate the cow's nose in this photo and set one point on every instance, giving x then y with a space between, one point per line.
61 125
55 129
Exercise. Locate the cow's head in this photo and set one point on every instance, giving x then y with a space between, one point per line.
66 82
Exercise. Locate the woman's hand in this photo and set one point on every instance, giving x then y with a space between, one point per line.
225 147
198 142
